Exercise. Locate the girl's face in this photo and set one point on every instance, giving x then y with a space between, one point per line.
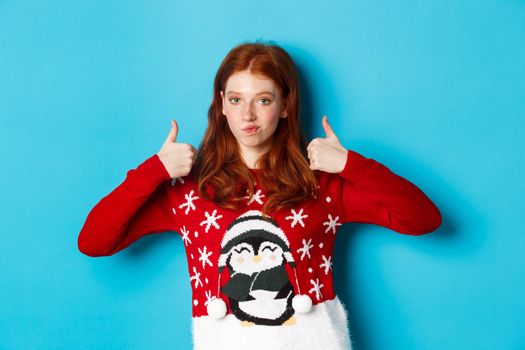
253 106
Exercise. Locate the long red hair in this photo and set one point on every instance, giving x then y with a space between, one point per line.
285 173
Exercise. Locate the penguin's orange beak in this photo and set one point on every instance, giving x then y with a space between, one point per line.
256 258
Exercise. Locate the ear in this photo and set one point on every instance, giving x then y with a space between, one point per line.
222 98
284 112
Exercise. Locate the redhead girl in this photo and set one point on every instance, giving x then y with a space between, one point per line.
258 209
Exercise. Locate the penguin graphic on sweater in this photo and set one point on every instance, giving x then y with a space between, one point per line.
255 250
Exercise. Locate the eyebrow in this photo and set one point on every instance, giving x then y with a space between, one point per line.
260 93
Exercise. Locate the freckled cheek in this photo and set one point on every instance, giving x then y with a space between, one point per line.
271 118
240 260
272 257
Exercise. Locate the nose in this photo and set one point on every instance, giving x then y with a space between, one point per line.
248 113
256 258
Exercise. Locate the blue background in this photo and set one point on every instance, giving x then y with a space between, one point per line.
432 89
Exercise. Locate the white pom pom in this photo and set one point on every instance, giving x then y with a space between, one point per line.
216 308
302 303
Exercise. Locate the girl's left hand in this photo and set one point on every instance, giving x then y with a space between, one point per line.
327 154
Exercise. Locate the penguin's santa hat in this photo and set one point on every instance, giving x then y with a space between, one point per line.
254 223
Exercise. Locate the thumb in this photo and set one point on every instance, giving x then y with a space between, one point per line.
327 128
172 136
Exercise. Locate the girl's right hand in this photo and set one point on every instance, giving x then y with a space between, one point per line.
178 158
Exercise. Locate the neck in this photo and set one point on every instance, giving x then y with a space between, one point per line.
250 155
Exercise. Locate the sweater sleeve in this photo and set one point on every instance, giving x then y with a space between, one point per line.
374 194
137 207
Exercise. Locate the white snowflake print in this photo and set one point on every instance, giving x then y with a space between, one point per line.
195 302
316 288
174 211
327 265
211 220
196 277
256 197
174 181
305 250
185 235
208 297
331 223
204 256
189 202
328 199
296 217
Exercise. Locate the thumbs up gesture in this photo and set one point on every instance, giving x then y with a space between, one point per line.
327 154
178 158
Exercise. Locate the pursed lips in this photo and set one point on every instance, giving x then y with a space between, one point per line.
251 127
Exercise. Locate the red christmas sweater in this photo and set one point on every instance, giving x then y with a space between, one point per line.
255 264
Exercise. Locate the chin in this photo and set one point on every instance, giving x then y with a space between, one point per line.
252 141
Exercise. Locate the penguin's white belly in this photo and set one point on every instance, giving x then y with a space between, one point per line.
264 305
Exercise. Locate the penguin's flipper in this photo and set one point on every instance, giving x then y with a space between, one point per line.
284 291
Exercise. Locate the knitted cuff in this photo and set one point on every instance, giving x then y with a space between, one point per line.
354 166
155 169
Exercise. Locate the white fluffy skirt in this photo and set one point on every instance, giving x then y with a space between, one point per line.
324 327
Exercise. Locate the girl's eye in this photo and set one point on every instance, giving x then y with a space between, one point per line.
265 101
